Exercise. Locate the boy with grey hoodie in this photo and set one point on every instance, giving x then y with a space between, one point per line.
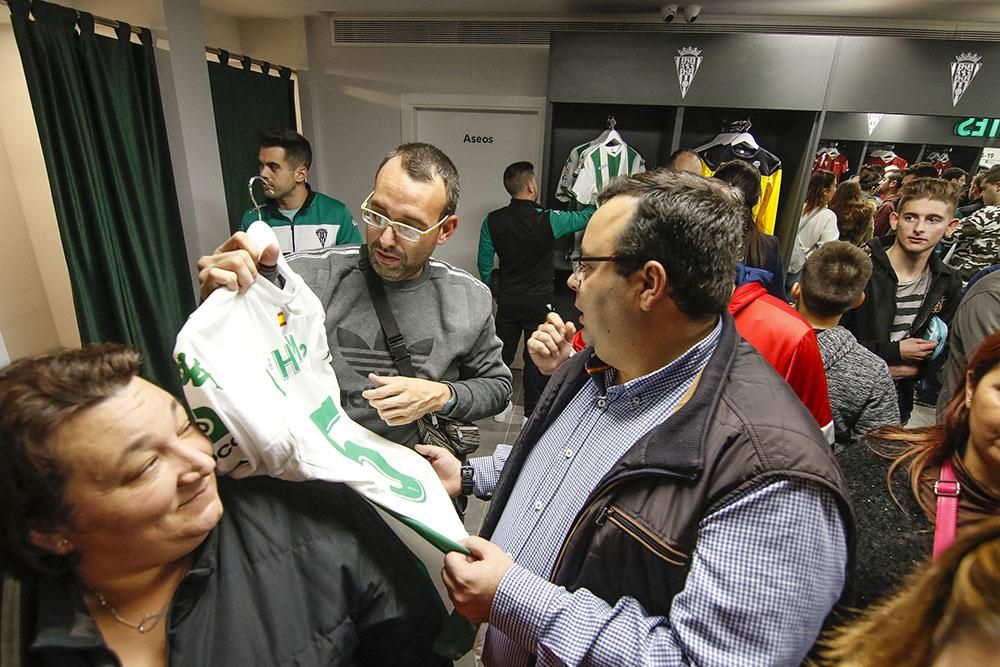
862 393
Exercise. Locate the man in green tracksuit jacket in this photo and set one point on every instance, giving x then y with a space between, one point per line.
523 235
302 218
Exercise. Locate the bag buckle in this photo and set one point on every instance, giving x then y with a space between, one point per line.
947 488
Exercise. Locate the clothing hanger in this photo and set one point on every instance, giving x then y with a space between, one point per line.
745 139
731 133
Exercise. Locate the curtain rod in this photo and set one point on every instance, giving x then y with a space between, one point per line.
113 24
100 20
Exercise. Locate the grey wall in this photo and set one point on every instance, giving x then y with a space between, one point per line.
351 103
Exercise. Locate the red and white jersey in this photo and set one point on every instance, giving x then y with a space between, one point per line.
891 160
835 162
940 159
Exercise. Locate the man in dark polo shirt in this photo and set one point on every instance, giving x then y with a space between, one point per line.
522 235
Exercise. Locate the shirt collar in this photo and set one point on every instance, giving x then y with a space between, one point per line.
272 204
681 369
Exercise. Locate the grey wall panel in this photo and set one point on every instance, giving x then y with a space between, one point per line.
743 71
913 76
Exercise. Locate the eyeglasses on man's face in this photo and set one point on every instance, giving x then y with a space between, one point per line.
581 265
401 230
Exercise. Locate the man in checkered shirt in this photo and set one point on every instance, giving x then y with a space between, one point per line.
670 501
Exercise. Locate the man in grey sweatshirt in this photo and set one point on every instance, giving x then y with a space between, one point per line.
862 394
444 314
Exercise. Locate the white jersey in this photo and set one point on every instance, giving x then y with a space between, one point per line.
571 169
602 163
256 372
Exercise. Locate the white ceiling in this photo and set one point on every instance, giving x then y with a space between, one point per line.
823 11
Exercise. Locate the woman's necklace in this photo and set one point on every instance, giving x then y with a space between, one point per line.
145 624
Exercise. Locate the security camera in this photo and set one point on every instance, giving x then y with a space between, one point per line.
668 12
691 13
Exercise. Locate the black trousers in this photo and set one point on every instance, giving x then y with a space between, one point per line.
517 315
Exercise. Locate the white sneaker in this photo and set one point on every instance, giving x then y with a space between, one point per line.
505 414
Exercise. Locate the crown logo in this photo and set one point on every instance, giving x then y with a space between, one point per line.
963 71
687 61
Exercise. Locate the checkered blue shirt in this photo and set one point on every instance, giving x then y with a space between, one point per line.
767 568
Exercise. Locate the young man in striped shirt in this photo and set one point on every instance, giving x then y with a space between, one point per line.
909 286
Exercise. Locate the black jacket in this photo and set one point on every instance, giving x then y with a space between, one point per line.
637 530
294 573
871 322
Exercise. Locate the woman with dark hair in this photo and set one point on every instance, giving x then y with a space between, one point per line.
868 179
963 446
818 224
759 250
855 216
947 615
113 525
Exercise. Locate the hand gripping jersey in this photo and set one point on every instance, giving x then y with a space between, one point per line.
256 372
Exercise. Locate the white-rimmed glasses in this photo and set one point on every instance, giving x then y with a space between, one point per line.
401 230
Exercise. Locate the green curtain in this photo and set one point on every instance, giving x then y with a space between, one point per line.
97 105
245 103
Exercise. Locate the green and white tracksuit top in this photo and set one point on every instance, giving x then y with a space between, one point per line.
320 223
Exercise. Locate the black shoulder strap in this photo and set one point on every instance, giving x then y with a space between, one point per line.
397 345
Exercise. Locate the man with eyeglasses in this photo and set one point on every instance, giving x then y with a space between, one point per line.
671 501
910 287
444 314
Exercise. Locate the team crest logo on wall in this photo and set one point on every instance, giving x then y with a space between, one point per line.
963 71
687 61
873 121
321 235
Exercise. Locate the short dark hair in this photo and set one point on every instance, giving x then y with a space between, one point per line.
894 175
991 176
922 170
37 396
834 277
954 173
692 225
517 176
744 177
297 148
936 189
676 155
423 162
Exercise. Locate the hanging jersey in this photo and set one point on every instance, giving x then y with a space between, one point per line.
885 162
769 165
571 170
600 165
837 163
940 159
